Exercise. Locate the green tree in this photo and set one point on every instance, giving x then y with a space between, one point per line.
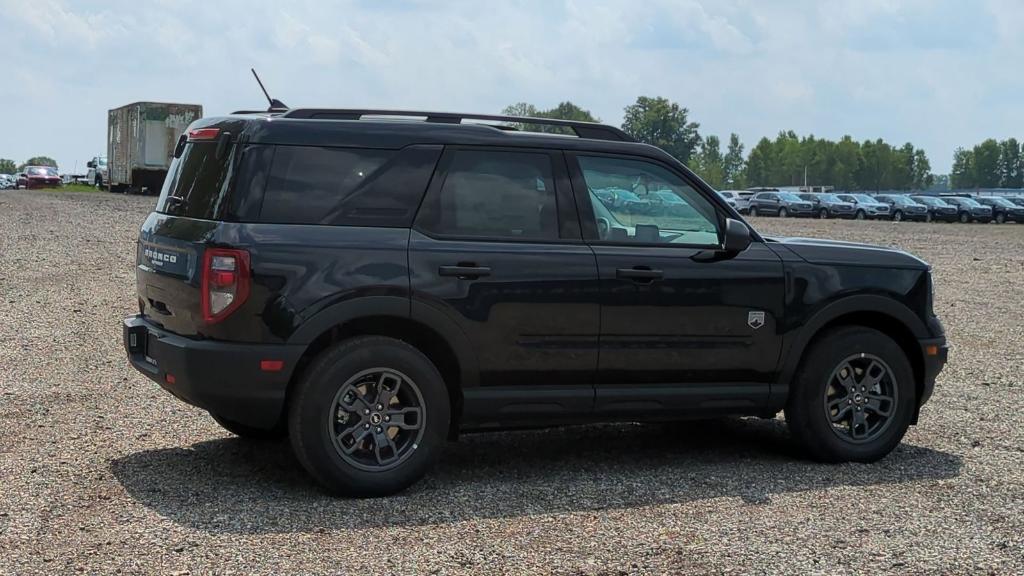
986 164
664 124
39 161
922 170
7 166
759 163
733 165
963 173
564 111
709 163
846 164
1010 174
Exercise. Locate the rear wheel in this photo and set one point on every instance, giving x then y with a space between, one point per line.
897 216
248 432
369 417
927 216
853 397
1000 218
823 214
964 218
861 215
783 213
753 210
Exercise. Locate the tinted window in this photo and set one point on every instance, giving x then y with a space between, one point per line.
648 204
490 194
311 185
197 182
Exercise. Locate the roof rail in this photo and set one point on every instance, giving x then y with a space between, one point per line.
590 130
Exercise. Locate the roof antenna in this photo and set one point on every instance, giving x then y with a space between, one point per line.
275 104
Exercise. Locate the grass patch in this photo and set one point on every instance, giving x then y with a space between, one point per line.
72 188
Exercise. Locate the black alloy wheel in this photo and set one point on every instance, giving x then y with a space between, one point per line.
377 419
861 398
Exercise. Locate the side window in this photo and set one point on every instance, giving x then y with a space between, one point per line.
495 195
637 201
347 186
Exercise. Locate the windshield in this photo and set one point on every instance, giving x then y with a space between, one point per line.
42 171
903 200
789 197
865 199
197 182
932 202
668 196
830 198
1002 202
968 202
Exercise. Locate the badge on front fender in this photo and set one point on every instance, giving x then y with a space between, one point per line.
755 319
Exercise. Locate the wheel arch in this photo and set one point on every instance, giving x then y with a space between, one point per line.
886 315
437 338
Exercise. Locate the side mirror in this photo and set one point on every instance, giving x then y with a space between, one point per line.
90 164
737 236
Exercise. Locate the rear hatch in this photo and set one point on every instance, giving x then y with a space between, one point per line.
172 242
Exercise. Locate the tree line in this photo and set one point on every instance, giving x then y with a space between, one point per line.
787 160
8 166
990 164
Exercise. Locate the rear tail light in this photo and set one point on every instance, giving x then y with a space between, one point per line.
225 282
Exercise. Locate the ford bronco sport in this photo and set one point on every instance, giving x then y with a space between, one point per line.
371 283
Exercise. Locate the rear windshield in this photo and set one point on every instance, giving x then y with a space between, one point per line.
197 182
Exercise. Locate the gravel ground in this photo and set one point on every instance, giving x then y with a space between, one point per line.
102 472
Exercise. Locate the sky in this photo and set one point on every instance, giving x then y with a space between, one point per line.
937 73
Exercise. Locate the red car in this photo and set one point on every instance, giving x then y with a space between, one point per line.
39 177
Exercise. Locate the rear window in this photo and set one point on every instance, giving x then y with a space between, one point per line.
197 182
347 186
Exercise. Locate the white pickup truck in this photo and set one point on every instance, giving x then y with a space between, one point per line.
98 174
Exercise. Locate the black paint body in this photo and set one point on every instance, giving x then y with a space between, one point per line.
550 332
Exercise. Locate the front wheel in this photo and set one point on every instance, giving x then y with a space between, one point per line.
897 216
853 397
753 211
823 214
927 216
783 213
1000 218
964 218
861 215
369 417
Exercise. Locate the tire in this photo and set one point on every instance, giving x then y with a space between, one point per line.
964 218
860 215
823 214
316 409
752 211
927 216
98 182
248 432
1000 218
807 409
897 216
783 213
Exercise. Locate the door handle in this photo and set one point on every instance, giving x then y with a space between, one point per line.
639 274
467 272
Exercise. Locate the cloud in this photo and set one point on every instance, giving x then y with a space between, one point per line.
939 74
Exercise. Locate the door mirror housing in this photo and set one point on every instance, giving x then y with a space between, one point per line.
737 236
90 164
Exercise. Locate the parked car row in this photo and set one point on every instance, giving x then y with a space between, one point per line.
888 206
32 177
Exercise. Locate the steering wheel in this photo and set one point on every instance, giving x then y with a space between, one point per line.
603 225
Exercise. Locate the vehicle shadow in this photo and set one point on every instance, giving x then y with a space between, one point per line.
236 486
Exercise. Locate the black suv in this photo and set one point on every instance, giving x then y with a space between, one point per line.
969 209
1002 209
903 207
372 287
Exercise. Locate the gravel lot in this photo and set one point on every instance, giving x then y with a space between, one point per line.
102 472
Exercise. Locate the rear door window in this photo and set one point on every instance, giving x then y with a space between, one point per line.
496 195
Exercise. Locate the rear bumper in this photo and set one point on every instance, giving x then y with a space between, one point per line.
223 378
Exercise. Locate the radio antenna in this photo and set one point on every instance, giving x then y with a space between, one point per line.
275 104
